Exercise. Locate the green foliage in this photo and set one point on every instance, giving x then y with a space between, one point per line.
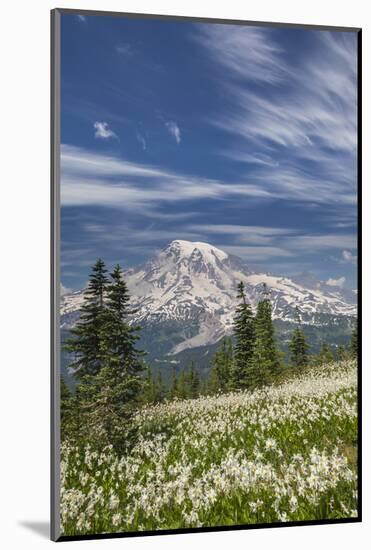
298 346
154 388
174 386
194 382
85 342
342 354
243 374
354 341
66 409
325 355
187 385
119 339
107 363
265 361
107 407
220 378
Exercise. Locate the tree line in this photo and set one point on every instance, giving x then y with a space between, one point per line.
113 380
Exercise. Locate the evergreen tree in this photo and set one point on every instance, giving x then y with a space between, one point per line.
221 369
354 342
119 337
108 408
174 385
154 391
149 394
244 336
109 366
116 389
325 355
341 353
66 409
85 342
265 362
182 385
193 382
160 388
298 346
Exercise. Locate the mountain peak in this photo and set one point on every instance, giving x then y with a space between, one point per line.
194 286
195 250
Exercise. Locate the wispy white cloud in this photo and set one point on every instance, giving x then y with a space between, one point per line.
283 238
95 179
247 52
78 162
244 234
174 130
251 158
231 229
142 141
336 282
348 257
103 131
315 243
81 18
304 122
126 50
256 253
90 178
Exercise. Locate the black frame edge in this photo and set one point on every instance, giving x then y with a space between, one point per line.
248 527
359 266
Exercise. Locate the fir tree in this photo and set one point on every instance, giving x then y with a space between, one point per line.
341 353
265 362
325 355
119 337
108 408
244 336
66 409
116 390
109 364
182 386
174 386
160 388
149 393
298 346
193 381
221 369
354 342
86 338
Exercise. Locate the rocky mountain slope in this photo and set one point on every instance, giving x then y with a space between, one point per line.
192 283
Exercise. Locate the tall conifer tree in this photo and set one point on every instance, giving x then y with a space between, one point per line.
193 381
298 346
354 342
112 394
86 338
244 336
120 338
222 365
326 354
265 358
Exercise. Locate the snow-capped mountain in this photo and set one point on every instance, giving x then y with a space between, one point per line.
195 283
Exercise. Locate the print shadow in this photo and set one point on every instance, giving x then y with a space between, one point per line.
41 528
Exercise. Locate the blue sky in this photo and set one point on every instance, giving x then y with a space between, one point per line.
240 136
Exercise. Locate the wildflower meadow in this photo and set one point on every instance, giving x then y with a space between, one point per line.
285 452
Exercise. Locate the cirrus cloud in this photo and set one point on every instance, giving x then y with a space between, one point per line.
102 131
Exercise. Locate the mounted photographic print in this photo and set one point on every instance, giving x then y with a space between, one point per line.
205 199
